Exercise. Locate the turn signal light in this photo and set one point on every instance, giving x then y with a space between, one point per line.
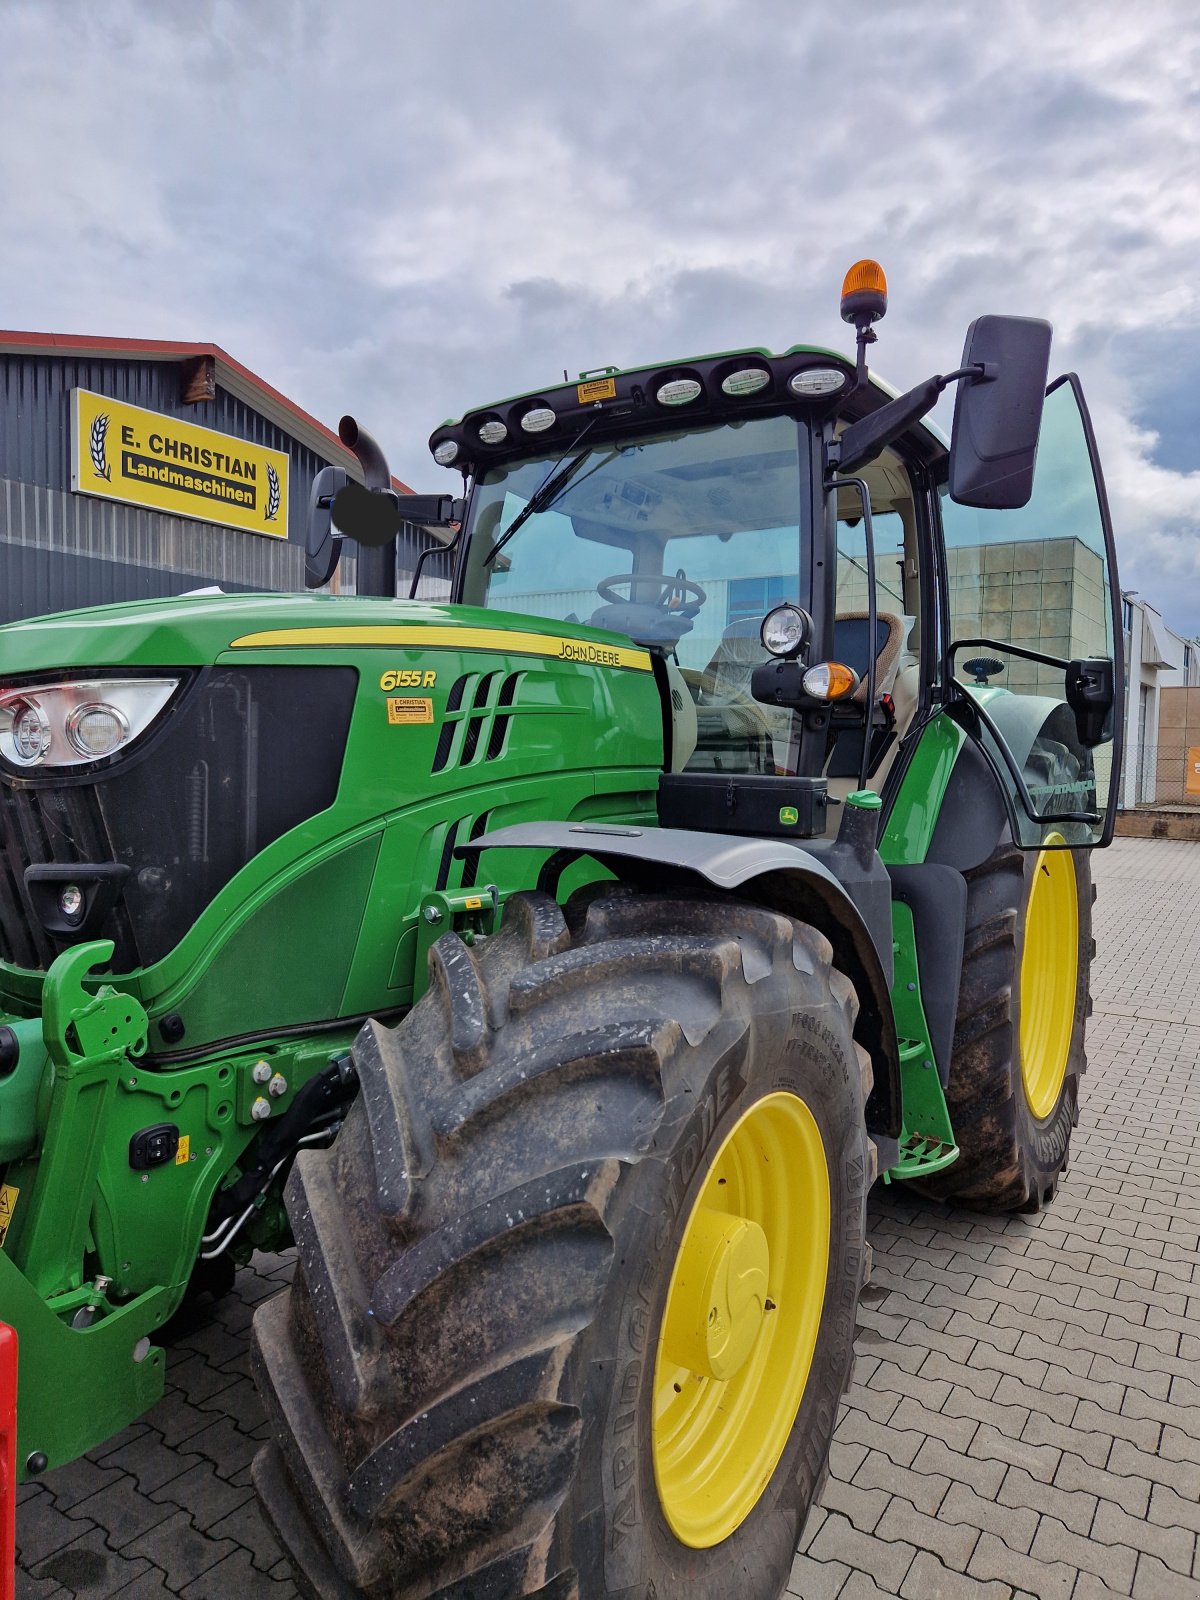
830 680
864 293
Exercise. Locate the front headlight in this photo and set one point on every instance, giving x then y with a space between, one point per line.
73 724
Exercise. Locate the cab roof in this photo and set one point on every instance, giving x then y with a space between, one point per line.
695 391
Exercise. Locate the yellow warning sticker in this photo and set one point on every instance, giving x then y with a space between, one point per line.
8 1201
597 389
473 902
409 710
184 1153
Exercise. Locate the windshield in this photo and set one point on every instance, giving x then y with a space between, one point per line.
680 541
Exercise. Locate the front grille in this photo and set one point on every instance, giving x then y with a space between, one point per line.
39 827
222 778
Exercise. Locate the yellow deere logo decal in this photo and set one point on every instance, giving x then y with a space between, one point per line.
789 816
433 637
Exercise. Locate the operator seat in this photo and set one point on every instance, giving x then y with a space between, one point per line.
728 716
729 720
897 672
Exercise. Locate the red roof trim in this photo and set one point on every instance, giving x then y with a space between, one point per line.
166 350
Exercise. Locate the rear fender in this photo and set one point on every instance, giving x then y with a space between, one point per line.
768 872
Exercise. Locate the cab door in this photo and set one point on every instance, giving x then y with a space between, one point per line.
1034 666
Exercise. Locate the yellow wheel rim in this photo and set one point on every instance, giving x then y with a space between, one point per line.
741 1320
1049 975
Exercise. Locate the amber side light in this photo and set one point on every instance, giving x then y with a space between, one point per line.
830 680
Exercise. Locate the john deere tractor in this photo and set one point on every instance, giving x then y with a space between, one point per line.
559 965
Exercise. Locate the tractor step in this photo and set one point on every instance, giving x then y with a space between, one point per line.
921 1154
926 1142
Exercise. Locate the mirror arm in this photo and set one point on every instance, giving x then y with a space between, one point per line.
870 434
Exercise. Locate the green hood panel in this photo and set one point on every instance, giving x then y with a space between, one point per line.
197 630
464 720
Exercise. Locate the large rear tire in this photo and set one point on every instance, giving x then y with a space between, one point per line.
576 1290
1023 1003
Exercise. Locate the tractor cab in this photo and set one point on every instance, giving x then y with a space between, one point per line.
685 542
813 569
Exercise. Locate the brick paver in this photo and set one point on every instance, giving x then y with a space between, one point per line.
1047 1367
1025 1419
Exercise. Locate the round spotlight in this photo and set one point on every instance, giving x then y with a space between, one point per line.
97 730
446 453
811 383
30 733
678 392
786 630
746 380
538 419
70 901
493 431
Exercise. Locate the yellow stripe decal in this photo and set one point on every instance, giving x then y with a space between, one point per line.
422 638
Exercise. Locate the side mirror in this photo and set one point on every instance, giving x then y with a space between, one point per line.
322 545
998 415
1091 694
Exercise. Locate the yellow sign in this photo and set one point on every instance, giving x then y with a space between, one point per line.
597 389
184 1154
126 453
8 1201
406 710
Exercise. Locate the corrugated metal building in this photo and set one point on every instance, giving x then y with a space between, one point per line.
67 539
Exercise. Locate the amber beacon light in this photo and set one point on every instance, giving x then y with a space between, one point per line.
864 293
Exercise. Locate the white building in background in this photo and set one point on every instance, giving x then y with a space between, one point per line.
1156 658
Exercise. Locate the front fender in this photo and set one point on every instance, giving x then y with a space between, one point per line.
770 872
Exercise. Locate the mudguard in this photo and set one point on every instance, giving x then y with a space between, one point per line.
769 872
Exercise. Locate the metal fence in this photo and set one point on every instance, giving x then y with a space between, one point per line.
1167 771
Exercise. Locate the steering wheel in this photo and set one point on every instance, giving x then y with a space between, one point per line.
663 590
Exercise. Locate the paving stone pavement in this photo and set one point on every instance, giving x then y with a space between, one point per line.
1025 1417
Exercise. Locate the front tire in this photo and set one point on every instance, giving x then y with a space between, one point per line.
1024 999
603 1195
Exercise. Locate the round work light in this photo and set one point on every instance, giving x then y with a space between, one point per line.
786 630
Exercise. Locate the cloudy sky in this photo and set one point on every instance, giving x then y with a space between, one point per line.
407 209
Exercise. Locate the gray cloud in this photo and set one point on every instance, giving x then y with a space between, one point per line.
405 210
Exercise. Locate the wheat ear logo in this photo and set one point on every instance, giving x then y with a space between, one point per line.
272 494
96 447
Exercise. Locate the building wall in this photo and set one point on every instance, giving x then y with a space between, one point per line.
1177 759
1157 660
1044 595
60 550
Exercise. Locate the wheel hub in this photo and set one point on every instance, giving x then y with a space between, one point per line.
1049 976
720 1297
741 1320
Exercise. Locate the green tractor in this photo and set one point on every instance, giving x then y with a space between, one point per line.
560 965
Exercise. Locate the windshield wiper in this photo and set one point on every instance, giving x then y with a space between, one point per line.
544 496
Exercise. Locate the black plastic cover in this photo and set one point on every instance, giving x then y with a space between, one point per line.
153 1147
1091 695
